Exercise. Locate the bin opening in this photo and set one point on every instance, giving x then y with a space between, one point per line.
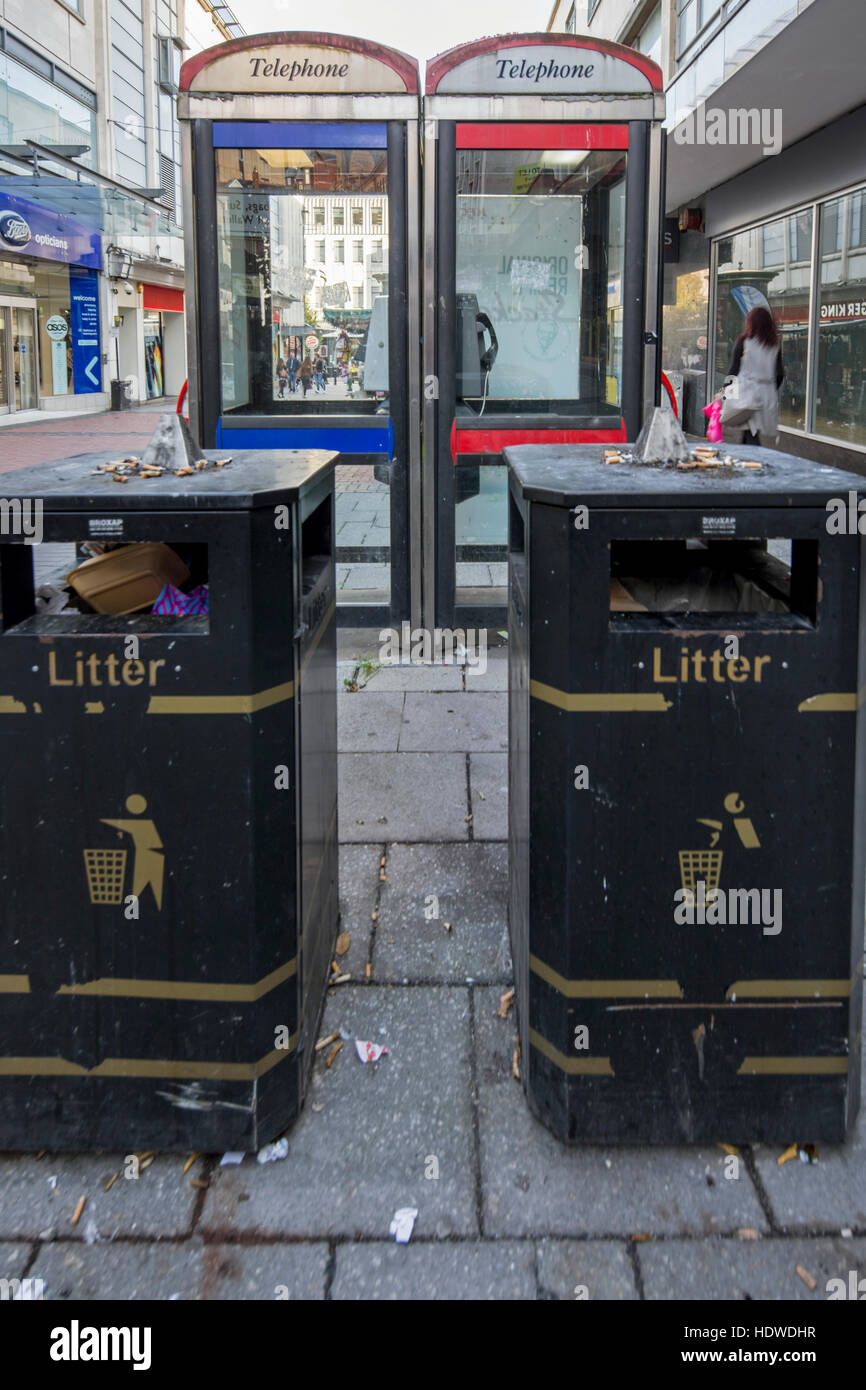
100 588
762 582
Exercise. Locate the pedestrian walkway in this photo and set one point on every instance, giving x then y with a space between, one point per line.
440 1124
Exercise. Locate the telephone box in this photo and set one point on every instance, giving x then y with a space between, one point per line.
542 253
301 182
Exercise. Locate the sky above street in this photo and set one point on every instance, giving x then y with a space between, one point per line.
418 28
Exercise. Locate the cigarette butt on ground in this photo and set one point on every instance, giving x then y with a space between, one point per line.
811 1284
325 1042
190 1161
199 1182
79 1208
333 1052
369 969
790 1152
111 1181
505 1002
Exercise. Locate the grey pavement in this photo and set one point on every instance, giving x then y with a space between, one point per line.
439 1123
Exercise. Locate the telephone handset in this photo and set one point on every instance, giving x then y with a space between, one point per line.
486 355
475 355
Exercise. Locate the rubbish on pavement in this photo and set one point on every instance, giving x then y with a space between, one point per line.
370 1051
790 1152
747 1233
808 1153
190 1161
325 1042
505 1002
111 1181
272 1153
515 1063
230 1158
199 1182
344 941
91 1232
448 926
401 1226
804 1274
79 1208
368 969
333 1053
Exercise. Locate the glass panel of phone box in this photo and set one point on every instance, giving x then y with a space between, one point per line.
540 252
302 245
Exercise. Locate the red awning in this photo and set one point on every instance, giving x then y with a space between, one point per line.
161 297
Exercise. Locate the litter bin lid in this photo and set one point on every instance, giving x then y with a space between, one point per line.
567 474
254 478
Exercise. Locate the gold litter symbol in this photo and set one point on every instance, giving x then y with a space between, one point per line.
697 865
106 870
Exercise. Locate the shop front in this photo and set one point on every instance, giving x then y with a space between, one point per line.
50 340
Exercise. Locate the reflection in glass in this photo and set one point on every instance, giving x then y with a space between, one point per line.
303 326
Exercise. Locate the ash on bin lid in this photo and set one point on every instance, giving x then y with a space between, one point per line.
661 439
171 444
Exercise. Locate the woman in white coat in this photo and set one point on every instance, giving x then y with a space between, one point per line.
757 363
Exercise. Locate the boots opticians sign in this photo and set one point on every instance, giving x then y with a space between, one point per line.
277 67
553 70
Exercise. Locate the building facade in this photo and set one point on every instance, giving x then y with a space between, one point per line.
91 243
766 195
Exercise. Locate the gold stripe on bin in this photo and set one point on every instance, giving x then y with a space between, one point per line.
186 989
602 701
148 1067
789 989
221 704
9 705
14 984
831 702
574 1066
605 989
793 1066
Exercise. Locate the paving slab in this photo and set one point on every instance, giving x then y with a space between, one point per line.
353 642
533 1185
378 1130
369 721
748 1269
474 1272
585 1270
488 779
405 796
366 575
469 883
266 1272
495 674
161 1270
454 723
13 1260
159 1202
418 676
359 887
815 1196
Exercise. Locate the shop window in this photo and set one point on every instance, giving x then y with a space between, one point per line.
153 359
840 368
752 271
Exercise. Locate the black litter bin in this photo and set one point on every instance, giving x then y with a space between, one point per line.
686 783
168 855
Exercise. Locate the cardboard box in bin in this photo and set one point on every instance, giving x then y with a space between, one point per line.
129 578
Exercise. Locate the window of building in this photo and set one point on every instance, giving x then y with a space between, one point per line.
319 250
840 367
649 40
376 216
339 252
571 22
33 107
357 296
376 257
358 252
857 235
752 270
692 17
318 217
339 215
357 217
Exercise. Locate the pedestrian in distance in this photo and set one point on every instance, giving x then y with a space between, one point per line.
294 365
757 364
306 374
319 371
282 378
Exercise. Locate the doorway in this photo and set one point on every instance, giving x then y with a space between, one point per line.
19 364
